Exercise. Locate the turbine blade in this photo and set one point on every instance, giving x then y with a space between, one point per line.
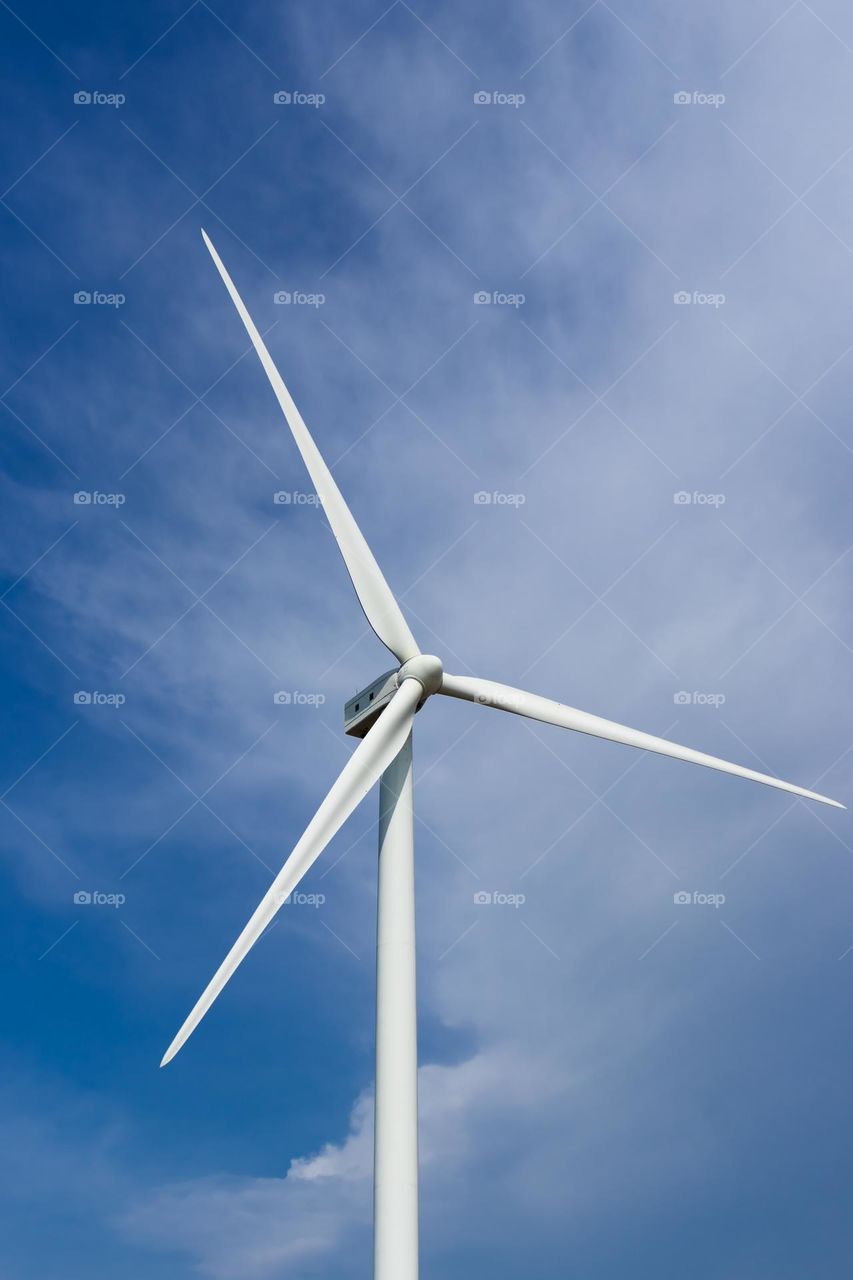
375 596
505 698
364 767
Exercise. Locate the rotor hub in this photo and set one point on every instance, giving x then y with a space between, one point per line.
426 668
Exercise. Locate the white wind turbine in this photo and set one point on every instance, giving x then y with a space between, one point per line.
382 716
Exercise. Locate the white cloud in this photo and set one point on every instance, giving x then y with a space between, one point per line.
264 1227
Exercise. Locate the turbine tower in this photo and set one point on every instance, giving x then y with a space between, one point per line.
381 716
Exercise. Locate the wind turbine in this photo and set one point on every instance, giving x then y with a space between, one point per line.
382 716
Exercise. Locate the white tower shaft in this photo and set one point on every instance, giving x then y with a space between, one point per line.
395 1176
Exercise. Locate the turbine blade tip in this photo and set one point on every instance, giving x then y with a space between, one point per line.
836 804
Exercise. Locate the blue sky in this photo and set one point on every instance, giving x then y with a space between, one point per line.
656 399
